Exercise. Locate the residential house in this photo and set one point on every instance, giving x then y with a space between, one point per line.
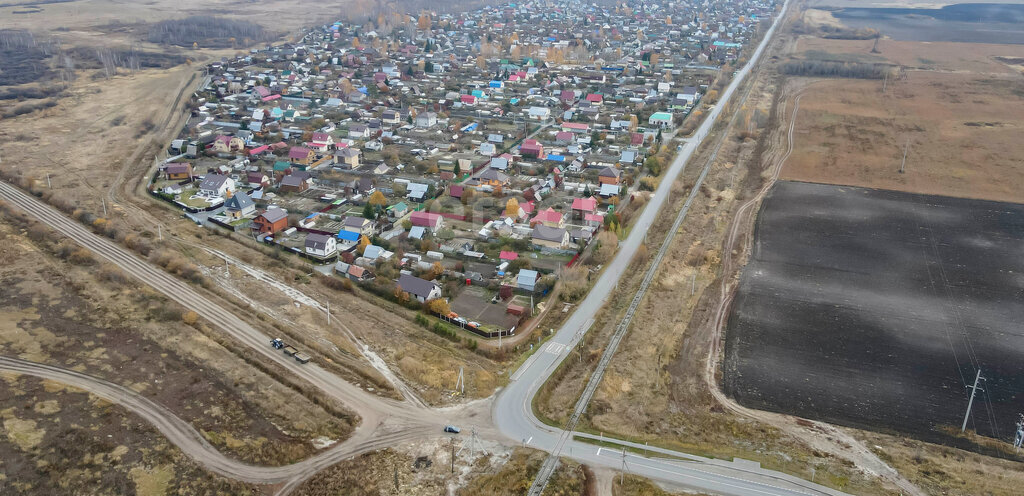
550 237
608 191
427 219
660 119
426 119
532 148
215 185
239 206
398 210
358 131
359 274
581 207
300 155
271 221
421 289
609 175
178 171
548 217
294 183
321 142
227 144
257 179
539 113
391 117
492 177
499 163
321 245
527 280
348 157
358 225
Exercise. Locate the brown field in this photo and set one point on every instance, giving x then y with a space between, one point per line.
938 56
963 131
62 307
59 440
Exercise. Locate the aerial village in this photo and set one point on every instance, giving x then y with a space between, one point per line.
464 158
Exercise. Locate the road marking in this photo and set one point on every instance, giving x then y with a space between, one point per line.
555 348
598 451
528 440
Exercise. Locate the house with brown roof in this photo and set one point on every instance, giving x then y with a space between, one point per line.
178 171
609 175
272 221
294 183
550 237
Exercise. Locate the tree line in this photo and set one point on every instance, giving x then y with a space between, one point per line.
207 32
827 68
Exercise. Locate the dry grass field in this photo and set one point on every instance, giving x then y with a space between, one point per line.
936 56
963 132
62 307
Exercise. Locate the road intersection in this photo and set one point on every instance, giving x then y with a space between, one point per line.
386 422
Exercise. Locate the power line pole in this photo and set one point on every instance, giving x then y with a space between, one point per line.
974 389
903 164
460 384
1019 438
622 474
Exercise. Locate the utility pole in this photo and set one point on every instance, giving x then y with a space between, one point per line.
622 474
453 454
903 164
48 181
159 232
328 313
974 389
1019 438
104 203
461 383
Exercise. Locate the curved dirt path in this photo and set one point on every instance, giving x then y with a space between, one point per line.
191 442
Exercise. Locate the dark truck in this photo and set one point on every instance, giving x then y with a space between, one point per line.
300 357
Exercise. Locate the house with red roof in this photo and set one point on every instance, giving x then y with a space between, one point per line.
548 217
508 256
426 219
563 137
300 155
583 206
468 99
576 127
595 98
321 142
531 148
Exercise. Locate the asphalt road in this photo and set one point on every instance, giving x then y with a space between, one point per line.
513 412
387 422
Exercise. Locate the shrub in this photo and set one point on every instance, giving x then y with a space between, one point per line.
190 318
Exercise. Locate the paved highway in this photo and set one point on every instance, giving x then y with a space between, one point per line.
512 411
387 422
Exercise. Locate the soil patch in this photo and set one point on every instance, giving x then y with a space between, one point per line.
874 309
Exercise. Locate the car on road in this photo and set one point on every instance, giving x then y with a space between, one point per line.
452 429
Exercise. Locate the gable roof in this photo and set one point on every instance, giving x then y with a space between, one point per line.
546 233
238 201
585 204
213 182
274 214
416 286
317 241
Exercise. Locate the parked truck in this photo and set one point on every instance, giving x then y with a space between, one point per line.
300 357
